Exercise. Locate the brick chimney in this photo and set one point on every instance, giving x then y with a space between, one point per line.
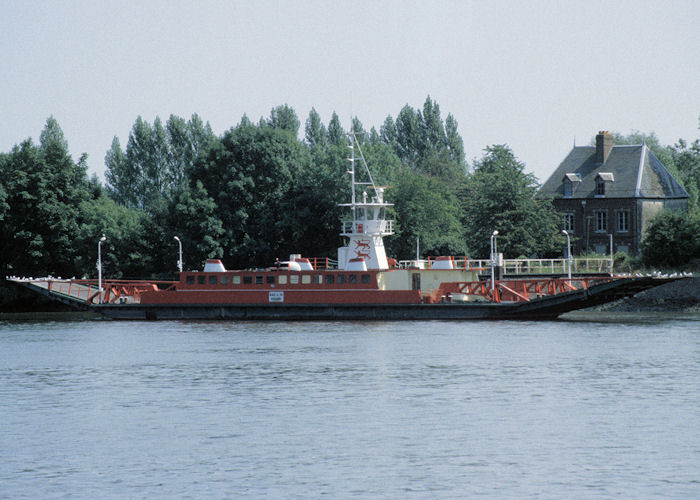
603 145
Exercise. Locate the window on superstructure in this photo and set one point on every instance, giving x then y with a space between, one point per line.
189 280
318 279
282 279
236 280
306 279
247 280
270 280
224 280
201 280
258 280
213 279
294 279
365 279
352 279
341 279
330 279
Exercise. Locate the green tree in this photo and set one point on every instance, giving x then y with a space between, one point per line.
248 174
499 195
285 118
672 240
425 208
43 189
315 131
686 158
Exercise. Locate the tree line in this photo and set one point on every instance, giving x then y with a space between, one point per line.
265 189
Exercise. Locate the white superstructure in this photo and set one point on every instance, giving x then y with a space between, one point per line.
368 225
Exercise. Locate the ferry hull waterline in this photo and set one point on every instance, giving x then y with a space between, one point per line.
363 284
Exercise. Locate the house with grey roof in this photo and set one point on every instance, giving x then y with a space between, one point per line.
606 190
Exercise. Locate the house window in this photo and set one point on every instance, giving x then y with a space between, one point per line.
600 187
570 222
623 221
601 221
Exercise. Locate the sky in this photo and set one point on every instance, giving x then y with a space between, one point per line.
536 75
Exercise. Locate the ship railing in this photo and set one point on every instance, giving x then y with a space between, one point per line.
113 291
385 227
522 267
518 290
320 263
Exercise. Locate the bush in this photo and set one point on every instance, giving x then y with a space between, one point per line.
672 240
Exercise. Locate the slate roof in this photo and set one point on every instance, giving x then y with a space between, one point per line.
638 173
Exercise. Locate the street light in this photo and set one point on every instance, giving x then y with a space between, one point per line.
99 266
179 262
493 260
568 250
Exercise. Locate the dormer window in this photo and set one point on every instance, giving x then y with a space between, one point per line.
571 182
600 182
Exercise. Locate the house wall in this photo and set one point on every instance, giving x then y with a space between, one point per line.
586 239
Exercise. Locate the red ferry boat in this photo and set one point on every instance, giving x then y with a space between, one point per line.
363 284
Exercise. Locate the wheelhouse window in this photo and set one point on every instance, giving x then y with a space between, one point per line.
601 221
623 221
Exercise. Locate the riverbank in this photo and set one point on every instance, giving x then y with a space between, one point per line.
679 296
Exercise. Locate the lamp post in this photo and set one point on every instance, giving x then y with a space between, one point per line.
179 262
612 257
568 250
493 260
99 266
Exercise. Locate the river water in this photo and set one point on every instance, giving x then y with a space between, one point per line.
604 406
